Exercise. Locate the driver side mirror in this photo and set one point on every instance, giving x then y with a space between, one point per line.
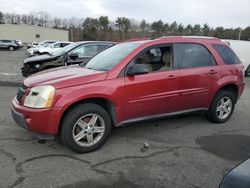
138 69
73 56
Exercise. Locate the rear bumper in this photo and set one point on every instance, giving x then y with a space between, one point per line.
44 122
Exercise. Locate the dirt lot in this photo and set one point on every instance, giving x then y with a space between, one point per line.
186 151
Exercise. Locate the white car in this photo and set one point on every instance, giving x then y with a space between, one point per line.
51 48
30 51
242 49
20 43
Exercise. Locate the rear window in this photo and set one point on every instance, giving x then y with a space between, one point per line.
226 54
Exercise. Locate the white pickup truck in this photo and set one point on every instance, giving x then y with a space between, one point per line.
242 49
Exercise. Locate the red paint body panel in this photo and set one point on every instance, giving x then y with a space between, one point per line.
43 123
132 97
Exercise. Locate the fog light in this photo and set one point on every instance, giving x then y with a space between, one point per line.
37 66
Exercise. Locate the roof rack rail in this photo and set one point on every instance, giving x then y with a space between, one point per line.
195 37
200 37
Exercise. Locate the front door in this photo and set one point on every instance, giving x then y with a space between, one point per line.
156 92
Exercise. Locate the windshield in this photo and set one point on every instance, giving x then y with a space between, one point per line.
65 49
109 58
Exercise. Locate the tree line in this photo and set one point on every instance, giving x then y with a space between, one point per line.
122 28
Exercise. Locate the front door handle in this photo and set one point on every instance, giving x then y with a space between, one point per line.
172 76
212 71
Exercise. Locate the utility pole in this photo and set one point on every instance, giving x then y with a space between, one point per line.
239 34
72 35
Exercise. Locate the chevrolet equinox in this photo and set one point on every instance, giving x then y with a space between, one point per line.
129 82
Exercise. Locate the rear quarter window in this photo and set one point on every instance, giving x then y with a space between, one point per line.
226 54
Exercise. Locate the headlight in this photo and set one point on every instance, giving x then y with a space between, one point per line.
40 97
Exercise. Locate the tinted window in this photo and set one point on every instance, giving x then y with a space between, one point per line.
6 41
85 51
65 44
156 58
226 54
194 55
58 45
103 47
65 49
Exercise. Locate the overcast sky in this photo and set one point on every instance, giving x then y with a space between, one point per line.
227 13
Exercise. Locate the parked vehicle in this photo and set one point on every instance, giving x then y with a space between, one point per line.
130 82
8 44
48 49
242 49
33 44
20 43
74 53
239 177
30 51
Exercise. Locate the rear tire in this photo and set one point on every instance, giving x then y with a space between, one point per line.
85 128
247 72
222 107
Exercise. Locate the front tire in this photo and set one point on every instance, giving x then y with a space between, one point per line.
85 128
11 48
222 107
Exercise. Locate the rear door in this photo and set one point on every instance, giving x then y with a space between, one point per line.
199 75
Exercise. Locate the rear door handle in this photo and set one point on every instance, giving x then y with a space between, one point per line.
212 71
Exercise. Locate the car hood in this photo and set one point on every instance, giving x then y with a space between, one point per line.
65 76
39 58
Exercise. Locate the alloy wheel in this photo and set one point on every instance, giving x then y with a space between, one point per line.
88 130
224 108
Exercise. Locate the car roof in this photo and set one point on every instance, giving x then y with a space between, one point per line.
63 42
87 42
174 39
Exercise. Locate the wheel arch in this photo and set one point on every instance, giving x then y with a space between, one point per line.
103 102
232 87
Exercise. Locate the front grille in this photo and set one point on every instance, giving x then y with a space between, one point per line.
21 92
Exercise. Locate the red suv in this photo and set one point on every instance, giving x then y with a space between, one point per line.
130 82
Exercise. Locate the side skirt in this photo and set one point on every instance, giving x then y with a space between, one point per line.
159 116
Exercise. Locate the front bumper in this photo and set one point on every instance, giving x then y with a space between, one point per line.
18 118
44 122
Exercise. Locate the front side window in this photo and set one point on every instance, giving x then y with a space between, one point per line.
85 51
226 54
194 55
109 58
57 45
157 58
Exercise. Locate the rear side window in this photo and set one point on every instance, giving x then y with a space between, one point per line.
6 41
103 47
194 55
226 54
